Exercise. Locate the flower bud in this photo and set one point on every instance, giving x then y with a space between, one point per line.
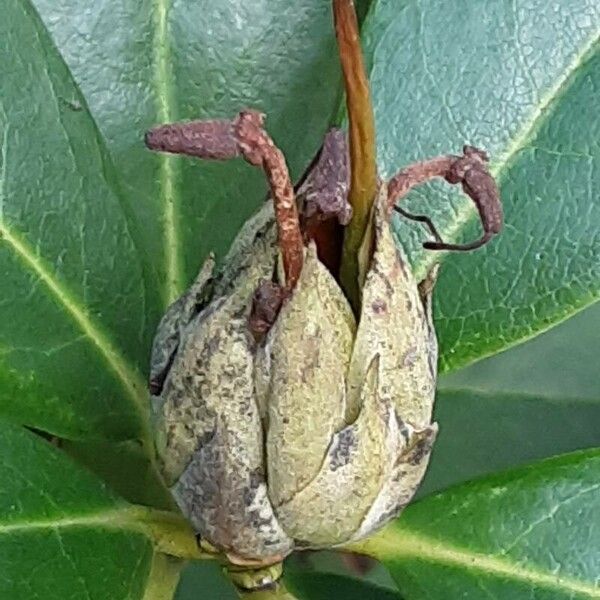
318 433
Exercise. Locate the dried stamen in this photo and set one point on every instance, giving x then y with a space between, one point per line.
243 136
470 170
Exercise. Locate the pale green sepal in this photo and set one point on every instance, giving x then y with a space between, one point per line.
308 351
331 508
394 325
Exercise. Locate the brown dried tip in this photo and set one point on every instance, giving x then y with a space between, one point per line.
243 136
205 139
322 196
470 170
323 193
266 303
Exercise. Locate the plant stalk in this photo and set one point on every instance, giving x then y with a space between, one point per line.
277 592
363 165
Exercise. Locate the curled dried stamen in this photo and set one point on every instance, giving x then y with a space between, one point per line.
470 170
243 136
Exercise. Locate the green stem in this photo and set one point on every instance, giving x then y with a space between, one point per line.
170 532
277 592
363 165
260 583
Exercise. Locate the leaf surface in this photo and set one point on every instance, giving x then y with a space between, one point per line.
481 433
531 402
324 586
520 81
528 533
560 363
65 535
73 307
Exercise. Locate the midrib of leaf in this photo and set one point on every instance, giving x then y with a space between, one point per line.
169 169
129 378
395 544
119 518
169 532
539 115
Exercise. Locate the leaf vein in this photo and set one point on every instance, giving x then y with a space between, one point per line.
129 378
393 545
169 167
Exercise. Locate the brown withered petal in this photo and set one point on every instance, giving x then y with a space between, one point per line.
324 192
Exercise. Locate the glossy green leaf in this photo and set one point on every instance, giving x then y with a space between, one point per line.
73 311
324 586
99 233
531 402
65 535
344 564
203 579
521 81
155 61
125 468
481 433
523 534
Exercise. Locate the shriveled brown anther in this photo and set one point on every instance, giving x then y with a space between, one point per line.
243 136
470 170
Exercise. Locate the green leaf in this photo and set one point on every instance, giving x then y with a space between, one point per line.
99 233
139 64
74 308
528 533
536 400
481 433
560 363
125 467
520 81
64 534
204 579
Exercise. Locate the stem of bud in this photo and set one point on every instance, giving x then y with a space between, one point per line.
277 592
262 583
363 166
